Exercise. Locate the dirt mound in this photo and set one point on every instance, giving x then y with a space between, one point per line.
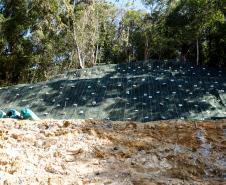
98 152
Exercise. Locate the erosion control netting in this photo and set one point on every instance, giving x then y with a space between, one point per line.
139 91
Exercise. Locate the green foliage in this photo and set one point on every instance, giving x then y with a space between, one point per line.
42 38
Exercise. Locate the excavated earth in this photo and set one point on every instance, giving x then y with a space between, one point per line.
118 153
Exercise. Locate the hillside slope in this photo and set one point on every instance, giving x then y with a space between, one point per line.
138 91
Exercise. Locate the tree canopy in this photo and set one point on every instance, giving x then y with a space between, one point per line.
41 38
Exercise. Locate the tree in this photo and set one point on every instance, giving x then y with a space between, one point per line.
43 38
84 28
191 20
15 50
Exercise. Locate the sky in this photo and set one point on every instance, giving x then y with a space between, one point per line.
137 4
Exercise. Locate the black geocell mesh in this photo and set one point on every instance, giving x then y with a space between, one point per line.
138 91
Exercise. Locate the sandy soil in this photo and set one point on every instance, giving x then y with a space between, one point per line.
112 153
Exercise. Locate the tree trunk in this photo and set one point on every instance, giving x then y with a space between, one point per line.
81 61
75 43
197 47
96 55
80 57
127 45
146 48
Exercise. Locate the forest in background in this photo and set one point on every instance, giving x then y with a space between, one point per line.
42 38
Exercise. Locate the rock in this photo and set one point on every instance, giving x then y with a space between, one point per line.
66 123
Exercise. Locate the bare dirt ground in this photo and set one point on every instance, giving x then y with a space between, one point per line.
117 153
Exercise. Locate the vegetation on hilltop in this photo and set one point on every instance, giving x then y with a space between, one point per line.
40 38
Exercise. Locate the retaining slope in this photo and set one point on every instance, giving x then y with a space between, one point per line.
139 91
